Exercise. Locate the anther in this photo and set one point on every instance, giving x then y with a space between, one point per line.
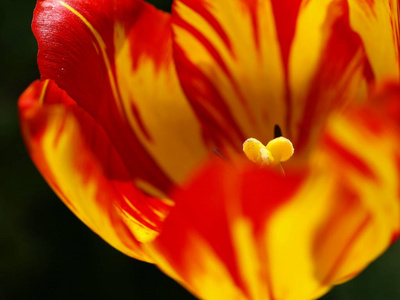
276 151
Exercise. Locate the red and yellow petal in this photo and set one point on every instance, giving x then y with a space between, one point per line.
362 148
229 64
247 65
325 68
377 23
78 160
114 58
244 232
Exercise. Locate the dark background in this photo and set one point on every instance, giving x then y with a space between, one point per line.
46 252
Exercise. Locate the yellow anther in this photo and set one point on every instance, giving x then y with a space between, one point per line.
257 152
277 150
281 148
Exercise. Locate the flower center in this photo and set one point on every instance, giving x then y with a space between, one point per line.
276 151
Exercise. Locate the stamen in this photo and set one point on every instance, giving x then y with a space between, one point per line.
281 148
257 152
276 151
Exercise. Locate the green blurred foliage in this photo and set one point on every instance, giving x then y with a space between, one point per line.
46 252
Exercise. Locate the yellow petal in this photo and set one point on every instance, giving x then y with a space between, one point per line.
377 22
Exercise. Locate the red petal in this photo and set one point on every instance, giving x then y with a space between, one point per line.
114 59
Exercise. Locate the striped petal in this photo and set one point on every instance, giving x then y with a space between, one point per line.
325 69
114 59
246 65
78 160
243 232
377 22
229 63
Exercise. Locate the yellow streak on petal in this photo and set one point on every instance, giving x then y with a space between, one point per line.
306 53
175 140
200 23
142 233
102 46
366 145
212 280
289 237
207 64
153 191
83 192
378 27
43 93
209 278
248 260
307 43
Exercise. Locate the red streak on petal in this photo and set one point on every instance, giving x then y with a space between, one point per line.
147 37
368 72
390 101
206 43
285 13
340 51
349 159
252 7
139 121
213 52
201 8
346 250
201 91
370 122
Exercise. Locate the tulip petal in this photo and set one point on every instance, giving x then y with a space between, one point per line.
245 232
114 59
229 64
362 148
326 68
78 160
377 22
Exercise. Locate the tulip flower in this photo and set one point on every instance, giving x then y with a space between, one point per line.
248 148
